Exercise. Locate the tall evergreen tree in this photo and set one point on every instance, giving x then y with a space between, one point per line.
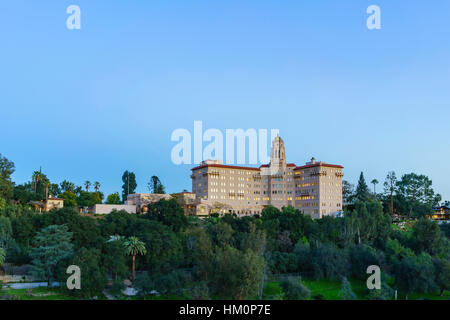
129 184
348 191
362 190
155 186
52 245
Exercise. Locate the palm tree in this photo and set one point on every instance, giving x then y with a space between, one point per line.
97 186
134 246
115 238
87 184
374 182
46 186
36 178
67 186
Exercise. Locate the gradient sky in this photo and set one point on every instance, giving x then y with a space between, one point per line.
88 104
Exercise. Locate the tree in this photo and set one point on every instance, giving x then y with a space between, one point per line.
2 256
374 182
144 284
46 185
155 185
96 186
360 257
133 247
7 168
442 274
415 274
169 212
346 291
285 241
237 274
54 189
384 293
115 238
395 252
88 199
437 199
114 257
417 190
171 283
70 198
94 279
222 233
348 191
67 186
329 262
426 236
5 232
390 187
2 203
87 185
129 184
294 289
113 198
362 191
51 245
40 184
200 253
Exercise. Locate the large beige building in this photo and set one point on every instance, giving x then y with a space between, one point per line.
315 188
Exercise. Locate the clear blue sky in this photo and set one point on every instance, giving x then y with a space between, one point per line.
88 104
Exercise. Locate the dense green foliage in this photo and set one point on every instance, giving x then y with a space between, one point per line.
113 198
229 257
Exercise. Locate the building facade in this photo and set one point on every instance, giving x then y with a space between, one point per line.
53 203
315 188
108 208
441 213
142 200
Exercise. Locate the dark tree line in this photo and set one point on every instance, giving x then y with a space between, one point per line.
230 256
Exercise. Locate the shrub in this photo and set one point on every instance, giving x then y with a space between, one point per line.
144 284
117 287
294 289
346 292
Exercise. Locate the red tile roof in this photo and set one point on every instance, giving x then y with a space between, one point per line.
320 164
224 166
291 165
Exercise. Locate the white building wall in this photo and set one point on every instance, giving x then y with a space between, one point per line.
108 208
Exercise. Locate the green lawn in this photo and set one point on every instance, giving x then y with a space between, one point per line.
428 296
41 293
329 289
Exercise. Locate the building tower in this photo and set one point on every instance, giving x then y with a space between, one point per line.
277 156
